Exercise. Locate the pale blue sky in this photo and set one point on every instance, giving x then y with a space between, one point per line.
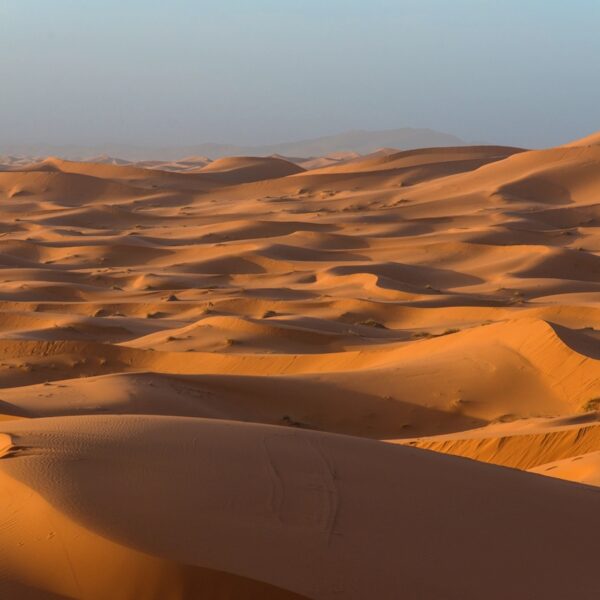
172 72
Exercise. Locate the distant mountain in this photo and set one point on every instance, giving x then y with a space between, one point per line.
362 142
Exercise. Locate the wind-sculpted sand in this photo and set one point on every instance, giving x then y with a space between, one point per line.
182 344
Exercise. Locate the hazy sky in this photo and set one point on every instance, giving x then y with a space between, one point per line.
173 72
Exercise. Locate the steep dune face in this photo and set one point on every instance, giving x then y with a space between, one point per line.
177 337
522 447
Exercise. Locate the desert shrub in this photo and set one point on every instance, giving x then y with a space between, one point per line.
592 405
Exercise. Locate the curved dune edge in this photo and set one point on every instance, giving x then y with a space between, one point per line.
236 170
318 514
6 444
533 338
584 468
519 450
46 555
523 356
523 369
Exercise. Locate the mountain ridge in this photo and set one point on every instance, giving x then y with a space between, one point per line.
361 141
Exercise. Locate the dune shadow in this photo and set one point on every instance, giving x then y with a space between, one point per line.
584 341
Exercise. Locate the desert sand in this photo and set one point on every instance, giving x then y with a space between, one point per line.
325 377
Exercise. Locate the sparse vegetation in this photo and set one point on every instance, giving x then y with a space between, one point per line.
289 422
433 289
371 323
427 334
421 335
592 405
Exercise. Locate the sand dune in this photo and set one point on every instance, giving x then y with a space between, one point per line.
181 342
309 512
235 170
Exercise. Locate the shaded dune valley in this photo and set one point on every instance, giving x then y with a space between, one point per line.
330 377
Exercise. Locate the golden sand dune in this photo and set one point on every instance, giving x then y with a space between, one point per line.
320 515
242 169
180 341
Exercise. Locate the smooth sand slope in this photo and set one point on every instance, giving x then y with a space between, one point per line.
179 341
321 515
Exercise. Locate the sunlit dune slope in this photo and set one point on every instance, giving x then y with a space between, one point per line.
316 514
